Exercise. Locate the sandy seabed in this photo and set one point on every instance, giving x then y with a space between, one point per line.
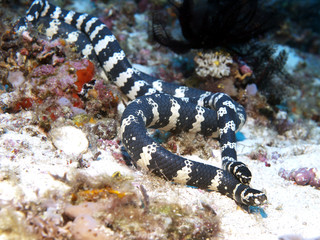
28 160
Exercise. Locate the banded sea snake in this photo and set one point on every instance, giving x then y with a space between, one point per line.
158 105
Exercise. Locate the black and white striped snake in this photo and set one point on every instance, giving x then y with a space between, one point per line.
158 105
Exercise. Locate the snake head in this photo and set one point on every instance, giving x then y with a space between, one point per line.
249 196
253 197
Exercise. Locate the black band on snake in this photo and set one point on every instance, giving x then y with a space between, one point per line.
158 105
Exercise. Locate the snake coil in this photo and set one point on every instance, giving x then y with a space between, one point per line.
160 105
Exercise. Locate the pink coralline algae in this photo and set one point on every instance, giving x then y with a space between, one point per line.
43 70
49 80
245 69
50 52
261 155
302 176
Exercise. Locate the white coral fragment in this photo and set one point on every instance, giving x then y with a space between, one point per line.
69 139
214 64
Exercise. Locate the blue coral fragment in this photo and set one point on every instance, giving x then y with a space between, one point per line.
161 136
240 136
257 210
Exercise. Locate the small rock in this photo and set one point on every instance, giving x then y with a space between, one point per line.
69 139
85 208
86 227
16 79
291 237
252 89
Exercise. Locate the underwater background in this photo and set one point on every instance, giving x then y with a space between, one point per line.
63 174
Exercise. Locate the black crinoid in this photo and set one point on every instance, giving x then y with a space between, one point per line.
206 24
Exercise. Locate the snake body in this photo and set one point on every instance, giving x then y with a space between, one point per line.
158 104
